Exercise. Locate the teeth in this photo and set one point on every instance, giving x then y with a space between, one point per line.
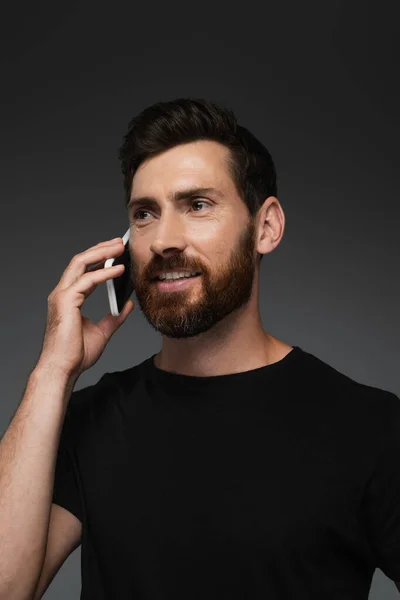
176 275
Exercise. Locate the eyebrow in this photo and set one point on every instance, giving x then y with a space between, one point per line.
175 197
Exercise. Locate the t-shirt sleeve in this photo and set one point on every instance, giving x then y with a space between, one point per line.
65 490
382 498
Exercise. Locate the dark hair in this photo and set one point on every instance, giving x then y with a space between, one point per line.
167 124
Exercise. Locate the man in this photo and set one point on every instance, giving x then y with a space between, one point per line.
230 464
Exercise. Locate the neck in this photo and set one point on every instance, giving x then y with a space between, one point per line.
237 344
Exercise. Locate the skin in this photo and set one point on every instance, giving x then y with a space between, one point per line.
213 326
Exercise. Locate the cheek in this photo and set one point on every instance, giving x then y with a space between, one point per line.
210 232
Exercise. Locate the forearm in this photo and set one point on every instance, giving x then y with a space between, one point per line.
28 452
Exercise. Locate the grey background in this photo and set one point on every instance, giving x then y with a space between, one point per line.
317 82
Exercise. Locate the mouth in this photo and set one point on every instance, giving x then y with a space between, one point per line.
157 279
170 285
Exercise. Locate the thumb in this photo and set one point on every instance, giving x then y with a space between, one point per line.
109 324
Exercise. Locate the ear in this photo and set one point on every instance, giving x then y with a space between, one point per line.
270 225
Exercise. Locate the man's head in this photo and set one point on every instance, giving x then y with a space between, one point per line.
182 145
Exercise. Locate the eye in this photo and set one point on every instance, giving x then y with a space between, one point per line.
138 212
142 210
199 202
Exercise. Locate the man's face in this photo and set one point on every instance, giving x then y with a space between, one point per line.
210 233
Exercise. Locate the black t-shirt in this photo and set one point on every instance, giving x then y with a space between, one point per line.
282 482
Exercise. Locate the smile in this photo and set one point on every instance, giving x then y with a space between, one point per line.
168 285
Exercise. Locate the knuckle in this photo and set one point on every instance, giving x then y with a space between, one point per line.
55 294
51 296
90 279
78 259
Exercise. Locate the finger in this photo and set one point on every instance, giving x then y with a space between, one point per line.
88 282
93 256
98 265
95 267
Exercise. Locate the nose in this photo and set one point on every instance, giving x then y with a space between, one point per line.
170 238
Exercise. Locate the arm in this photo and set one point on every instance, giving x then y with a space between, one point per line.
65 532
28 452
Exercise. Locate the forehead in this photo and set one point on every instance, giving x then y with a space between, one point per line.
202 163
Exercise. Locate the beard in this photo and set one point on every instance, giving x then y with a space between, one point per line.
205 300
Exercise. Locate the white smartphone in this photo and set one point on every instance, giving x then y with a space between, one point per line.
120 289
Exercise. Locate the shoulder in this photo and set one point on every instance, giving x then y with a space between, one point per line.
97 398
331 381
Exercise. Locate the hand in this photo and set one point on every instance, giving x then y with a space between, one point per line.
72 343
